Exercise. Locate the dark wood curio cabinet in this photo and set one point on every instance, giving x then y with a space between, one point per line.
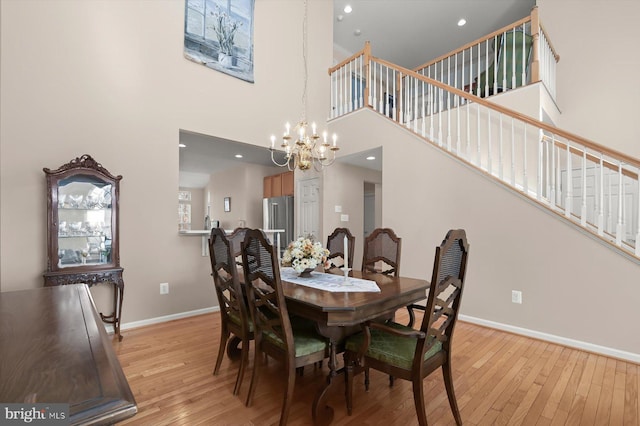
82 229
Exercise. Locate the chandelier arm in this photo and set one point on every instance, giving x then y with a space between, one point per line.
275 162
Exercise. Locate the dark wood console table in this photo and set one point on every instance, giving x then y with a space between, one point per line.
108 276
54 348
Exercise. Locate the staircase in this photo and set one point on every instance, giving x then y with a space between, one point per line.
587 184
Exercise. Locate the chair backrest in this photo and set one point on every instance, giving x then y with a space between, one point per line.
225 278
445 291
382 245
266 298
235 239
335 245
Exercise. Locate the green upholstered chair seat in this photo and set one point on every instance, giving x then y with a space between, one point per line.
305 337
236 319
391 349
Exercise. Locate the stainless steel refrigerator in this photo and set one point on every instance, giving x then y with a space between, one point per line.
277 213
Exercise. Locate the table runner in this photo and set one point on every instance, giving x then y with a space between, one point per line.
329 282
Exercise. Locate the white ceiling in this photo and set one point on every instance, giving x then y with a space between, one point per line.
405 32
412 32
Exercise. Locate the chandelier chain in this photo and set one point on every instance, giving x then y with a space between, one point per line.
304 60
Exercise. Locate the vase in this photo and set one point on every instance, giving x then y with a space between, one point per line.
306 273
225 60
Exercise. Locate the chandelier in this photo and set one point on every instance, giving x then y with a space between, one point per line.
306 150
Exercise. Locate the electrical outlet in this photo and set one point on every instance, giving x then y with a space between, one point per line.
338 209
516 296
164 288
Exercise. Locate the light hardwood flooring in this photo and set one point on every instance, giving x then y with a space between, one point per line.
500 379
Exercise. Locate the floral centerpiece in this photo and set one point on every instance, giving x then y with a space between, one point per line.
225 28
304 254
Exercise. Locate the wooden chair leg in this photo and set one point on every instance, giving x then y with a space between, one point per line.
348 386
254 376
244 360
418 399
366 379
448 383
288 396
300 371
391 381
224 336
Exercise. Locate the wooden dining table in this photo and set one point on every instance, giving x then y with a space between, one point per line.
339 314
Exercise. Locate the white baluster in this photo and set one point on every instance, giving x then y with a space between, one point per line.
375 85
395 101
609 203
424 117
370 83
458 112
478 158
524 55
540 166
583 208
552 193
495 64
478 73
486 68
431 110
468 148
504 63
448 105
619 227
415 104
569 193
440 102
386 96
601 198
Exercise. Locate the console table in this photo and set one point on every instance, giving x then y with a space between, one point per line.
54 349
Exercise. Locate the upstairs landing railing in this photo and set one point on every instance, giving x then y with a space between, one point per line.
513 56
592 186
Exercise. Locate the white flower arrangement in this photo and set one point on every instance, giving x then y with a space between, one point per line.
304 253
225 28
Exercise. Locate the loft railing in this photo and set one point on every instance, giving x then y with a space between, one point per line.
513 56
590 185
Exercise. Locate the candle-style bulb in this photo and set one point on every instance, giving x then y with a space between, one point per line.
273 141
335 139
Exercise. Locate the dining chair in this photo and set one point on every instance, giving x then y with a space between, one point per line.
410 354
233 308
294 342
236 237
382 252
335 245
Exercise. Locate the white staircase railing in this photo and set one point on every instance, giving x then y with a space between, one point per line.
508 58
588 184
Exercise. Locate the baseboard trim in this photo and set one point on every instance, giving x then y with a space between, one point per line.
577 344
164 318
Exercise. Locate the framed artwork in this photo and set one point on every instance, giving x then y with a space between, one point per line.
219 34
227 204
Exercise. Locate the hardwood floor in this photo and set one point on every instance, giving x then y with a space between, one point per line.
500 379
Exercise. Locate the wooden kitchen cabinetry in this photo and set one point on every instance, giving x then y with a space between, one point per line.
278 185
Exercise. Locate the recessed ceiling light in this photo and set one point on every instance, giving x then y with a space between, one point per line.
357 32
348 9
461 22
181 145
371 157
238 156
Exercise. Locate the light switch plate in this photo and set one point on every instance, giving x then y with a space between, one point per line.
338 209
344 218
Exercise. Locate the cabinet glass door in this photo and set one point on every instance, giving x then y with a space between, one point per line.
84 221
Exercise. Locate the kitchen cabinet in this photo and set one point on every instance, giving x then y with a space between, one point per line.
278 185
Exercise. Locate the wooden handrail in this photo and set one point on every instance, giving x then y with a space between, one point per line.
525 118
363 51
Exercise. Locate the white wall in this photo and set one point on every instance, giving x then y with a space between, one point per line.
597 73
109 78
344 186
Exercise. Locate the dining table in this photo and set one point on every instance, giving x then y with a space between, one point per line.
339 314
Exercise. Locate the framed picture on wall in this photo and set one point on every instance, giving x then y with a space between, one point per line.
227 204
